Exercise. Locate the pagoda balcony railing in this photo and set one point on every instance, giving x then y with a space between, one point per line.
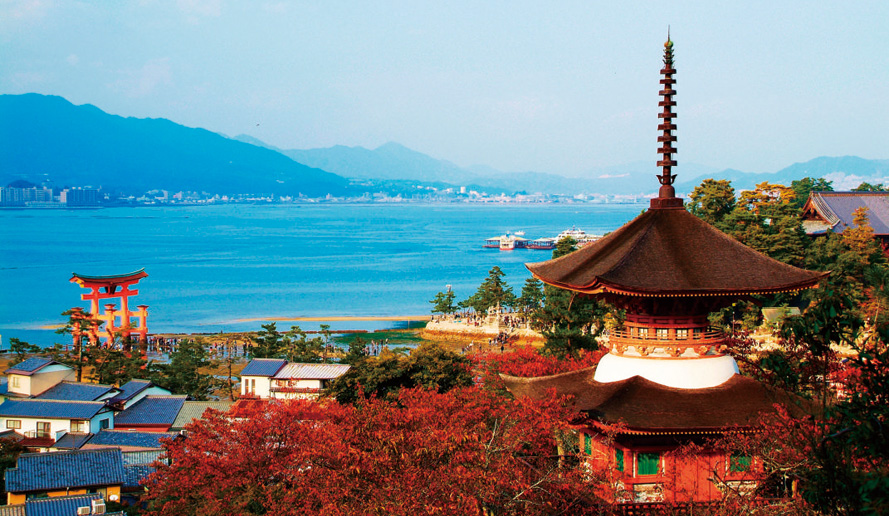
667 337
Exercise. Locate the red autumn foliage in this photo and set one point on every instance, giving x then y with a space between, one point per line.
528 362
465 451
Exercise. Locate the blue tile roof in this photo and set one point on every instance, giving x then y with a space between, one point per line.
143 457
132 388
30 366
263 367
73 391
58 506
67 469
51 409
150 410
71 441
127 438
136 473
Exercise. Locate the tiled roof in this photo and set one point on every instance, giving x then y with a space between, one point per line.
58 506
30 366
71 441
131 388
645 405
296 371
838 209
135 473
51 409
143 457
150 410
192 410
263 367
73 391
671 252
121 438
67 469
12 510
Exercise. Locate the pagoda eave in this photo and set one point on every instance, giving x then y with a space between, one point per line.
601 287
619 429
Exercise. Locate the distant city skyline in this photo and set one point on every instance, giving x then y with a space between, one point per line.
564 87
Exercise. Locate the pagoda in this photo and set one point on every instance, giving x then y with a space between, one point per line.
667 378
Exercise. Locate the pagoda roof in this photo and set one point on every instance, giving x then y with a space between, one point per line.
670 252
648 407
114 278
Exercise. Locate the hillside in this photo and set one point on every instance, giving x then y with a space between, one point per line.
47 137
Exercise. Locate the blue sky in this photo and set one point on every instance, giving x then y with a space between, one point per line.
557 86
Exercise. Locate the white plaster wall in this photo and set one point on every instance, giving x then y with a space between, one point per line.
696 373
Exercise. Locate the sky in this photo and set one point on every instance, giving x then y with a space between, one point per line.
558 86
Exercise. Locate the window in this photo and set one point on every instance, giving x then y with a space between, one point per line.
43 429
682 334
14 380
643 333
619 459
587 444
648 463
14 423
739 463
663 333
104 424
698 333
78 427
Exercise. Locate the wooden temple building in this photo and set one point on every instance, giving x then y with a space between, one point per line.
114 320
667 379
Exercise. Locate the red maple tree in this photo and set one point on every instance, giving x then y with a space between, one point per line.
466 451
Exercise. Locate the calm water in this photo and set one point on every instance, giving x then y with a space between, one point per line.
210 266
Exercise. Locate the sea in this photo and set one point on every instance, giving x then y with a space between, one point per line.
233 267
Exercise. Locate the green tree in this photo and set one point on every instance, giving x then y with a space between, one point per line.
532 295
492 292
429 366
712 201
356 353
268 343
297 347
79 325
115 367
185 374
803 187
21 350
443 302
867 187
569 322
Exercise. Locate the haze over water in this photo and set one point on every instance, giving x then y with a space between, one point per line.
212 266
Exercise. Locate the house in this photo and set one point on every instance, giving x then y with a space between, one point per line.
133 391
81 472
67 506
835 211
35 376
275 378
41 421
75 391
192 410
150 414
127 440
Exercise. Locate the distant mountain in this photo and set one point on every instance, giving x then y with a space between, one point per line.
393 161
47 137
846 172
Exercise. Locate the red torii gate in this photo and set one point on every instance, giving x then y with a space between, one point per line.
111 287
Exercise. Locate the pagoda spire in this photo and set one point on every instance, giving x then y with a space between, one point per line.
667 127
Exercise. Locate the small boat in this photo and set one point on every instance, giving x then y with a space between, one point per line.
512 242
580 236
542 243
